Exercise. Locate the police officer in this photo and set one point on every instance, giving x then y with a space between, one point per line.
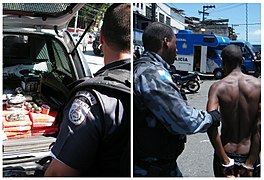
162 117
94 136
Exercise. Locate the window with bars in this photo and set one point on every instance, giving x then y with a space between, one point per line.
161 18
168 21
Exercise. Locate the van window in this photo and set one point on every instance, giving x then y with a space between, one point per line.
62 61
209 39
15 46
245 52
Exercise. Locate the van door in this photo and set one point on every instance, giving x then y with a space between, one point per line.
213 59
203 59
197 58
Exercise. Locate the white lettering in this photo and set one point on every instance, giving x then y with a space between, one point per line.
181 59
181 39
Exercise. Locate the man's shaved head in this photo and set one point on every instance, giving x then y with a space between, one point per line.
232 55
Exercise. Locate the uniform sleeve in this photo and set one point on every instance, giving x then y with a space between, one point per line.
156 89
78 139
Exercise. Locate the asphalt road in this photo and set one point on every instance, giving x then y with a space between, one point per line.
197 158
95 62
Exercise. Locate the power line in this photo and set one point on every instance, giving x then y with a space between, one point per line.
221 10
250 24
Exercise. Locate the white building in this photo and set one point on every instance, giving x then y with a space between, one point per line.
164 14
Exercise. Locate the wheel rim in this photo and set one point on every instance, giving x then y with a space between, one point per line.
218 74
193 86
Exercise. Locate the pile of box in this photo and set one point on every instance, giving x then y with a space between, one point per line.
24 123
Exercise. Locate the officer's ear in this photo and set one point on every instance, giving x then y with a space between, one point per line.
165 42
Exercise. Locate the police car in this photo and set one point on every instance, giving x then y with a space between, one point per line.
41 64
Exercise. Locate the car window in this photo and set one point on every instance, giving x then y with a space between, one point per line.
61 60
37 53
17 44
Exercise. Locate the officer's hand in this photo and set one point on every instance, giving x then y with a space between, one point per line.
228 172
245 171
216 117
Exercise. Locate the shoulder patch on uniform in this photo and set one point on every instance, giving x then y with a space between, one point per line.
78 111
91 99
165 75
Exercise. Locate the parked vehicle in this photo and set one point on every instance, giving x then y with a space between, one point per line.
41 64
76 37
97 47
200 52
190 82
257 50
251 63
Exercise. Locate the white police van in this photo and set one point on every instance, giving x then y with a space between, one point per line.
199 52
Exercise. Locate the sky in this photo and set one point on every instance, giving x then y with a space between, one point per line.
235 12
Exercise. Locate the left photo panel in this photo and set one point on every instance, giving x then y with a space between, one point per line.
66 90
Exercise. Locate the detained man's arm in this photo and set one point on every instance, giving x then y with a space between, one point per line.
254 148
59 169
213 104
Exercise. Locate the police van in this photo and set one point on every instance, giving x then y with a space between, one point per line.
251 64
200 52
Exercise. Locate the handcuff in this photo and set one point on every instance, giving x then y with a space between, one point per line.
232 163
247 168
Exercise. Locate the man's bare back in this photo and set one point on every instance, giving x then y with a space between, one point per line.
239 96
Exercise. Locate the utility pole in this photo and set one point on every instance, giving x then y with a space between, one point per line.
246 22
205 8
76 20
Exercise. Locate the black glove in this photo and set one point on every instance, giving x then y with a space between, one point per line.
216 117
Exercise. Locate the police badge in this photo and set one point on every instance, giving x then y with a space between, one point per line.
78 111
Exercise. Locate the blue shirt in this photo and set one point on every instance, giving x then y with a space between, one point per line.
154 88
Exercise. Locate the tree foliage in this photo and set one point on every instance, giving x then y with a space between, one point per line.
89 12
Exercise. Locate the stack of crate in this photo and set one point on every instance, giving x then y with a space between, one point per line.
28 124
16 128
43 124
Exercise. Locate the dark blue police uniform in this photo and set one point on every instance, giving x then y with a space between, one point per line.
95 130
162 118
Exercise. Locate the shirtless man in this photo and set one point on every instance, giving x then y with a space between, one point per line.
238 98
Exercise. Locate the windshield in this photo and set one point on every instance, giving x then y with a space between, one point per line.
250 47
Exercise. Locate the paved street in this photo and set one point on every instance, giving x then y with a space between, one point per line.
197 158
95 62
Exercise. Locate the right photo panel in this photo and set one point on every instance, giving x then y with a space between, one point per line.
197 89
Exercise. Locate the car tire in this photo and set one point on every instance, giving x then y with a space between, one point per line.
218 73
